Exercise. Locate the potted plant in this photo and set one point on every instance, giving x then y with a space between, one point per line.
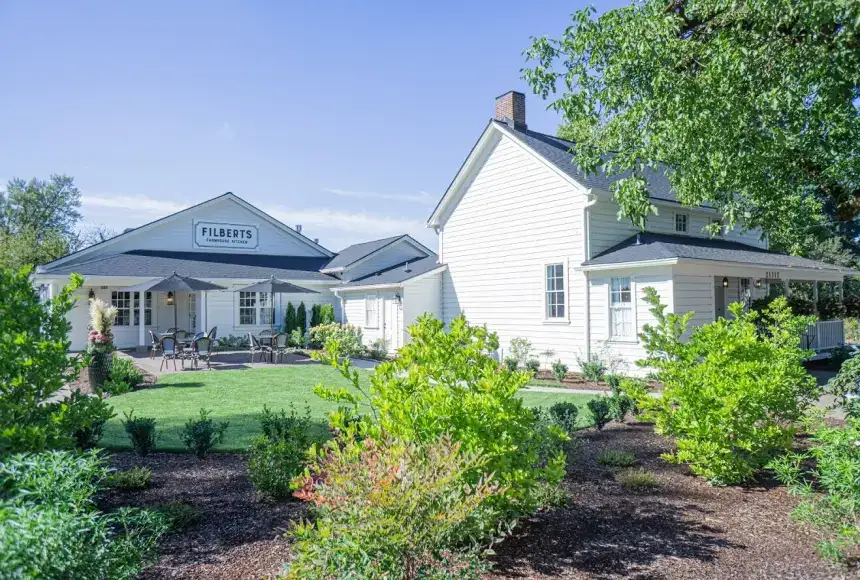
100 345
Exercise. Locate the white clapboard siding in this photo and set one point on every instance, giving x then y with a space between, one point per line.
515 216
354 312
422 296
607 230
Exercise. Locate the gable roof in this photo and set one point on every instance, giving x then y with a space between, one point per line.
649 247
206 265
357 252
396 274
77 256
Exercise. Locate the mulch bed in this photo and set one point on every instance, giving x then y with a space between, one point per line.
685 529
83 381
239 534
578 381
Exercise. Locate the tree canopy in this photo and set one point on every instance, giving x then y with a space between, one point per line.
748 105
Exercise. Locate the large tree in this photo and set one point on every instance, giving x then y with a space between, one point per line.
38 220
749 105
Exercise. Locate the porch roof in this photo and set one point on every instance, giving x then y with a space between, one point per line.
648 247
206 265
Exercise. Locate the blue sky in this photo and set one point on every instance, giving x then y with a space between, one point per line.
350 118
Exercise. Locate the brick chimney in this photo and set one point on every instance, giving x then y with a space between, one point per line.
511 109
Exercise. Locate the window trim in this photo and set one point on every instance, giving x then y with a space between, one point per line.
147 308
634 339
375 299
565 276
259 309
114 298
687 218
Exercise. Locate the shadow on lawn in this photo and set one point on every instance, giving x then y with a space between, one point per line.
609 541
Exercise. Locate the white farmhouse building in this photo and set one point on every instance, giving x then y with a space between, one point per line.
527 245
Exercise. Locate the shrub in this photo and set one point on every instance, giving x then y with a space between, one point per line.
547 355
448 382
533 366
315 315
202 435
733 391
124 376
830 308
290 319
297 338
379 349
551 495
616 458
619 405
102 318
34 363
511 363
565 414
179 514
50 527
833 514
327 314
614 382
559 369
800 305
277 455
130 479
852 306
637 479
601 411
141 431
521 349
387 509
348 338
232 342
85 418
844 387
301 317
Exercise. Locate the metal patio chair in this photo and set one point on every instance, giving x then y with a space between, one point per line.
202 349
281 344
169 352
255 347
155 343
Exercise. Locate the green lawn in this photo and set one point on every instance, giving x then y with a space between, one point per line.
238 397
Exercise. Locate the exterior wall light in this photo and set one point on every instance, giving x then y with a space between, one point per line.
758 283
170 298
725 282
92 294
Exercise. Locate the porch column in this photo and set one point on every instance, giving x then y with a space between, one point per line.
787 287
815 296
204 307
842 290
141 311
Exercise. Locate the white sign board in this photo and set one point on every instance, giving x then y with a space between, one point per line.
224 235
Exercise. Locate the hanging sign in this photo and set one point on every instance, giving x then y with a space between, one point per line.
224 235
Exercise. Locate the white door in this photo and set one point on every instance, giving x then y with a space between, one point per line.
192 313
719 300
391 323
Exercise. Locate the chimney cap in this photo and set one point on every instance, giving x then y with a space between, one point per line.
299 228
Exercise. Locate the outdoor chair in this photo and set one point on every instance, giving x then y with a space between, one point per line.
265 334
155 344
202 349
198 336
213 334
171 330
255 347
169 352
281 344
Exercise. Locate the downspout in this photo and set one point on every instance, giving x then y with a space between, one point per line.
586 251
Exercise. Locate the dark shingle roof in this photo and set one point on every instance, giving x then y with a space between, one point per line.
355 252
557 151
396 274
653 247
157 263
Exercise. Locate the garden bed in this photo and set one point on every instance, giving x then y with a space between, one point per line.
82 383
545 378
683 529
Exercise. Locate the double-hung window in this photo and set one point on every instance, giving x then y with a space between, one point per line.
681 220
255 308
147 309
554 294
621 323
122 302
370 311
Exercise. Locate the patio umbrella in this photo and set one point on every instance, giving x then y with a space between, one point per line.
174 283
273 286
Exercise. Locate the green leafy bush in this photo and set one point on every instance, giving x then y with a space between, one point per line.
593 368
297 338
347 337
277 455
448 382
637 479
844 387
835 514
387 509
565 415
201 435
619 405
533 366
315 315
616 458
732 392
559 369
50 526
231 342
34 363
614 382
141 432
521 349
601 411
301 317
124 376
85 418
511 363
327 314
179 514
130 479
379 349
290 319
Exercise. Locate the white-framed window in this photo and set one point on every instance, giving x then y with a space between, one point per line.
554 293
192 311
122 302
254 308
147 309
719 223
682 223
370 311
621 321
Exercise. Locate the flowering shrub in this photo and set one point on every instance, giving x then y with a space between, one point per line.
102 318
732 392
835 515
347 337
388 509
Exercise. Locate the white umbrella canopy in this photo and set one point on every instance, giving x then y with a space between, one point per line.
274 286
173 283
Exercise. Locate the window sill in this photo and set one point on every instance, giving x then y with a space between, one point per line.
555 321
622 341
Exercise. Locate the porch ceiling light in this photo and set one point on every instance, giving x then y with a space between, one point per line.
170 298
758 283
725 282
